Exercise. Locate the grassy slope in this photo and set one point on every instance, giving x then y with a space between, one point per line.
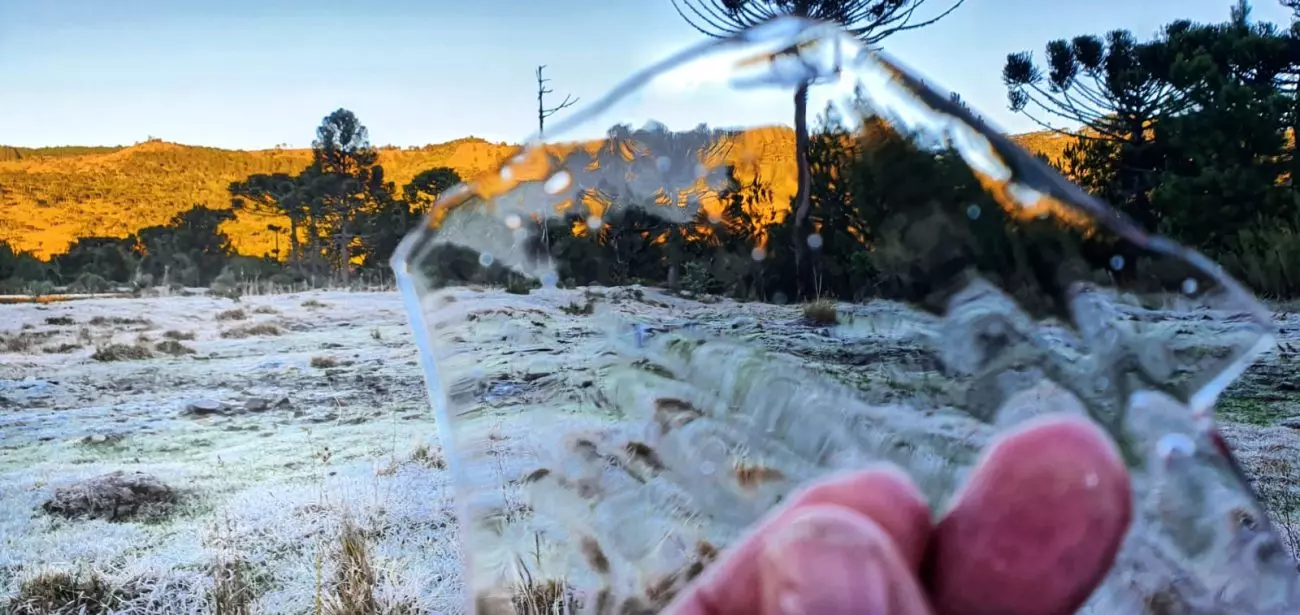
50 196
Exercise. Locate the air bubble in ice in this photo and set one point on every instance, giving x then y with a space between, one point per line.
594 223
758 254
815 241
557 183
550 279
973 212
708 467
507 174
701 171
779 298
514 221
1190 286
485 259
664 163
1117 262
1172 444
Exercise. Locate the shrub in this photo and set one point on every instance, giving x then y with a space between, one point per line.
821 312
91 283
122 352
173 348
235 314
254 330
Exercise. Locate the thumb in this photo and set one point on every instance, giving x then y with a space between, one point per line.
829 560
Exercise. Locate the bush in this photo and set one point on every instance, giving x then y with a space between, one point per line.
122 352
91 283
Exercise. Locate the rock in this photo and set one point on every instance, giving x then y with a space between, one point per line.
113 497
257 404
204 407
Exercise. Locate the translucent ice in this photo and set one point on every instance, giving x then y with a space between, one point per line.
609 431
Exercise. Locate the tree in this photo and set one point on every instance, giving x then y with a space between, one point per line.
190 249
871 21
1117 90
277 194
347 190
1231 143
543 111
111 258
424 189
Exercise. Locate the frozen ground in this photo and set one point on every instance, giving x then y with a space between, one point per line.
293 447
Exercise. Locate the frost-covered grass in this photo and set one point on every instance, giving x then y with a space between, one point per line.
322 486
267 494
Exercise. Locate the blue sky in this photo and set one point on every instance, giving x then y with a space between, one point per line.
256 73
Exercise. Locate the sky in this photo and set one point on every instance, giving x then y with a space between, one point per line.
252 74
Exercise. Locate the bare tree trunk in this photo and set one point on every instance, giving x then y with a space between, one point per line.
802 203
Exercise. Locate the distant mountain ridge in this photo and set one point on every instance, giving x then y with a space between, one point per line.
51 196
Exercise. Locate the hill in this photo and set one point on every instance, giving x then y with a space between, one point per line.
51 196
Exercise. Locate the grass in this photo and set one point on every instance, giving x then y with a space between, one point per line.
64 592
232 591
545 597
265 309
100 321
122 352
180 336
428 457
574 309
821 312
60 321
314 304
173 348
63 348
235 314
1252 411
324 362
22 341
263 329
355 578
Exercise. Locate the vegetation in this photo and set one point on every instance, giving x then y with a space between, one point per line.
1189 133
871 21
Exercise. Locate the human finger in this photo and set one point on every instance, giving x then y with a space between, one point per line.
829 560
882 494
1036 527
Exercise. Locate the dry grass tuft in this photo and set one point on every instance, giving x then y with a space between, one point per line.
122 352
423 455
63 348
100 321
545 597
313 303
587 308
22 341
259 329
265 309
324 362
235 314
180 336
63 592
429 457
355 578
232 591
821 312
60 321
173 348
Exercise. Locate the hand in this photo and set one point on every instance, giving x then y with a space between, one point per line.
1032 532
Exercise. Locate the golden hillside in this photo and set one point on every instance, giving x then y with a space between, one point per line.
49 197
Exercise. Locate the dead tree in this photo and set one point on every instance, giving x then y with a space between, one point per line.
542 111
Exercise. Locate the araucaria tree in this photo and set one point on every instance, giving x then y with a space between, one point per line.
870 21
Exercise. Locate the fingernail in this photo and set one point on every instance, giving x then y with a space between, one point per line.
826 560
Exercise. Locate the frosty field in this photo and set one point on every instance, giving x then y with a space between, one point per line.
294 463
